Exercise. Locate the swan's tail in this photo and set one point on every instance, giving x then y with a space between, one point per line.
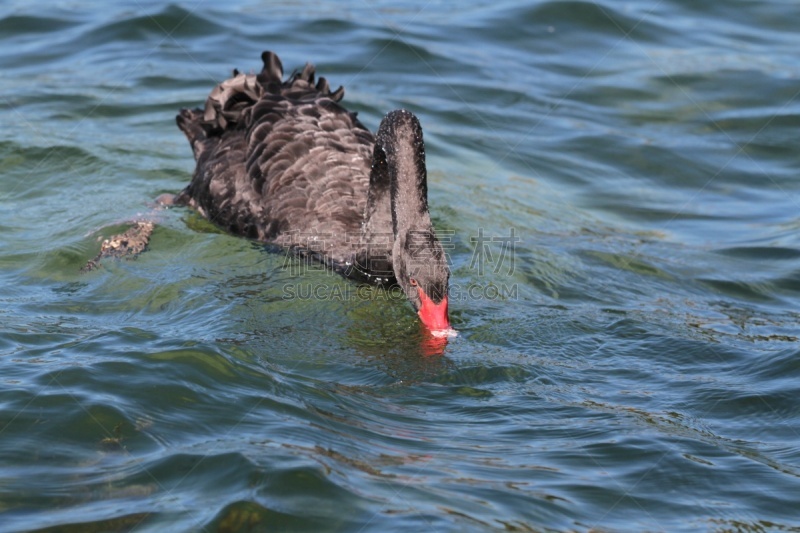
228 105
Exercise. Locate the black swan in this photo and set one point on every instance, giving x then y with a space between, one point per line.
283 162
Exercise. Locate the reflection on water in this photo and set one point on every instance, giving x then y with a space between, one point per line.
433 344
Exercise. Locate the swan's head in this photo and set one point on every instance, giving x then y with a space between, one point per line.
420 267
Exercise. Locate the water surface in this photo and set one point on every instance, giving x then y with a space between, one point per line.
618 185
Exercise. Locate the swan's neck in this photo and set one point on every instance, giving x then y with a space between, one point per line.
405 153
399 193
398 183
397 202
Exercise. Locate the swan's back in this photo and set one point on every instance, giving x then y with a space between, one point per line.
279 161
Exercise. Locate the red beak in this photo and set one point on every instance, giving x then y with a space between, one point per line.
433 315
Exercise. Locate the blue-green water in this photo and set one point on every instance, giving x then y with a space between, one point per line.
619 186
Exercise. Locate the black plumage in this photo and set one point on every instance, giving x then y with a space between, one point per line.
285 163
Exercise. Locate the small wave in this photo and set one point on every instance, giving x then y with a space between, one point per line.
172 22
16 25
583 21
774 253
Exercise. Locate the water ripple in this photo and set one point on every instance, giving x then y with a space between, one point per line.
625 366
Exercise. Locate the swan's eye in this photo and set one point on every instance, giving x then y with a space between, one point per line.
413 282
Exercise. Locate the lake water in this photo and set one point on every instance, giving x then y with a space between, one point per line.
617 185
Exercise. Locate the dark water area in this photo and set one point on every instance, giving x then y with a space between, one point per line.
618 184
